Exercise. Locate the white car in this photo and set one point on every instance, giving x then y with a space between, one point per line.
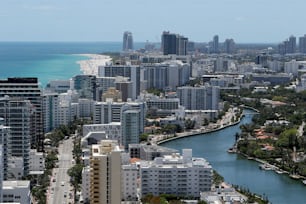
62 183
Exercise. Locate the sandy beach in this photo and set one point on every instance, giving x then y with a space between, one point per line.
90 66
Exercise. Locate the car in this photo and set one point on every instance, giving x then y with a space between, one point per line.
54 180
62 183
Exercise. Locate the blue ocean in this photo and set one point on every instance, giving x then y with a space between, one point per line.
49 60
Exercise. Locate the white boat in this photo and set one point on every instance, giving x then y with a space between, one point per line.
279 171
304 182
266 167
232 150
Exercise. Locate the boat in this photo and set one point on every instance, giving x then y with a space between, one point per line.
304 182
232 150
294 176
279 171
266 167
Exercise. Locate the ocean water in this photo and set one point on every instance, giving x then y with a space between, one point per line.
49 60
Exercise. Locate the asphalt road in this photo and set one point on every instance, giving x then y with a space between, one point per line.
60 190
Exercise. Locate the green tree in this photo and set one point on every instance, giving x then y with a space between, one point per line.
189 124
75 173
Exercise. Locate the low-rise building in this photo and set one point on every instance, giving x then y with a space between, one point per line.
37 161
149 152
16 191
182 176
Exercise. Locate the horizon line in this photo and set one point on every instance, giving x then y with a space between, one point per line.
94 41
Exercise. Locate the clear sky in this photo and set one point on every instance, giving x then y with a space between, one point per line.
106 20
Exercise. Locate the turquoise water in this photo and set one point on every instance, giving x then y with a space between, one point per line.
237 170
49 61
52 68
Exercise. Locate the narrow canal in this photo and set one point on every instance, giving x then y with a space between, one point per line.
238 170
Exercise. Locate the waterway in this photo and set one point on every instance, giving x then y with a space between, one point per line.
280 189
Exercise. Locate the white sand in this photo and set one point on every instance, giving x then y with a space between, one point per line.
91 66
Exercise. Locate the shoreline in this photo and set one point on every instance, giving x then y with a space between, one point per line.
200 132
91 66
187 134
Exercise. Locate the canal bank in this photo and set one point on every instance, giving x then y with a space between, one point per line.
236 169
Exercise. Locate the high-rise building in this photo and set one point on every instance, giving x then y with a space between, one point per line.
229 46
51 111
302 44
130 71
288 46
127 41
199 98
61 109
174 44
292 44
109 111
85 85
105 173
166 75
28 88
2 169
4 137
125 87
130 126
215 44
102 85
262 59
16 113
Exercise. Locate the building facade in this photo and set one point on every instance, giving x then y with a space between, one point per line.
16 192
105 173
182 176
174 44
199 98
85 85
130 71
28 88
17 114
127 41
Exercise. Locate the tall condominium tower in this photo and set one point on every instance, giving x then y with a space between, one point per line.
302 44
16 113
27 88
4 137
229 46
292 44
199 98
130 71
105 173
131 121
215 44
127 41
288 46
174 44
85 85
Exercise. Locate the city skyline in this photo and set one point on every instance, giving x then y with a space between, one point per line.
246 22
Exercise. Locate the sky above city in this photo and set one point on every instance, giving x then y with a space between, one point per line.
246 21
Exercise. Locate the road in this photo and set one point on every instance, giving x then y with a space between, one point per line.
60 190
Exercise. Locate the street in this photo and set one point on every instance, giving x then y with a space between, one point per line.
60 190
